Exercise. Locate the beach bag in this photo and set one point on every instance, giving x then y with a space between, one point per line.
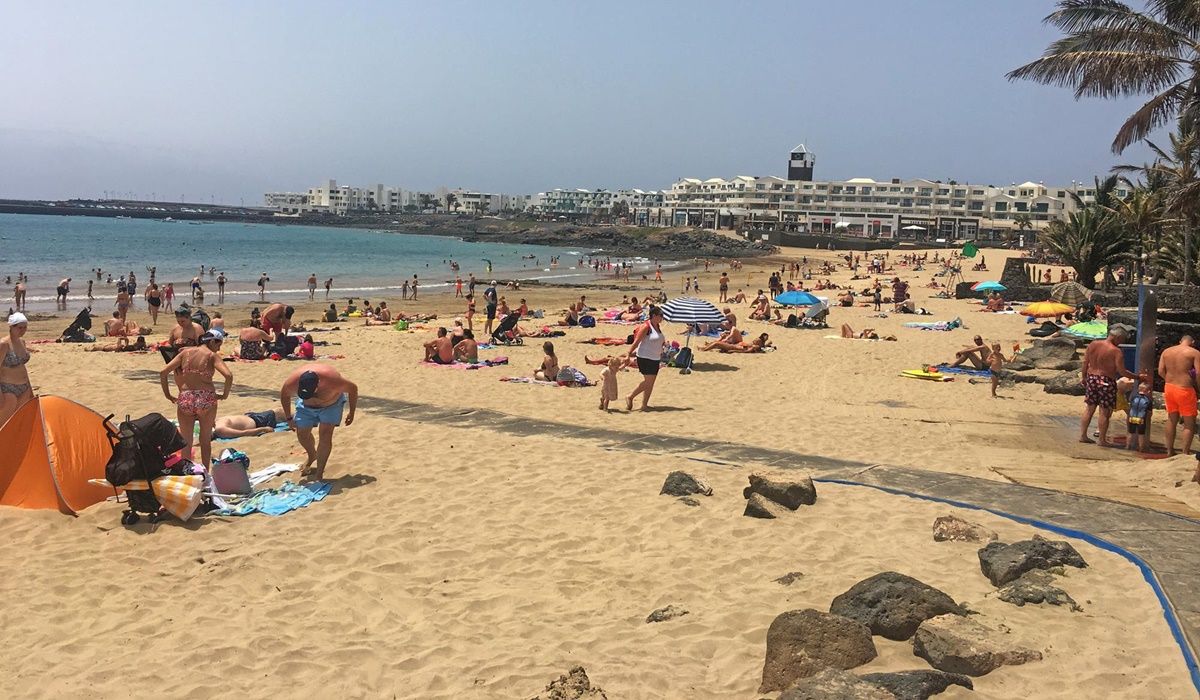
199 316
538 313
569 376
587 322
683 359
231 473
401 325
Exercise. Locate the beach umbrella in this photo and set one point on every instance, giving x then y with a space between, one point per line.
691 310
1046 309
988 287
914 227
1072 293
969 250
1090 330
796 297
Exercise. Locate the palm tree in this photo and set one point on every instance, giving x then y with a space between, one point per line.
451 201
1110 50
426 200
1089 241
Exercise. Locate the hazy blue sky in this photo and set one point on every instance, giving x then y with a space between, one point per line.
230 99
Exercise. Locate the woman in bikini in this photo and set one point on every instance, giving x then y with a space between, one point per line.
197 400
15 389
548 372
169 297
253 341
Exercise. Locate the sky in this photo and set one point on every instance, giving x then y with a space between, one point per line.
226 100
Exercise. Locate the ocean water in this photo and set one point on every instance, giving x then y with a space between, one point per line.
362 262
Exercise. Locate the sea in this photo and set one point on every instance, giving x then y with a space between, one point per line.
362 262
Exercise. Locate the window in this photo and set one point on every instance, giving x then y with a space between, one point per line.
1000 206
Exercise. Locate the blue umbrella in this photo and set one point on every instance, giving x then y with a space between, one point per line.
797 297
989 287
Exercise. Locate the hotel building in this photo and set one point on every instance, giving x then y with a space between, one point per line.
862 207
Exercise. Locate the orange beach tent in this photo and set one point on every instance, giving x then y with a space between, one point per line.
49 449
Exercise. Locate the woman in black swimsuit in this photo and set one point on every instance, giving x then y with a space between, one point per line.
154 301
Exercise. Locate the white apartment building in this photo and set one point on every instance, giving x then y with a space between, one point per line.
332 198
581 202
904 209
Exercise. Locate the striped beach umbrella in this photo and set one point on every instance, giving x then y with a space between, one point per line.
1072 293
691 310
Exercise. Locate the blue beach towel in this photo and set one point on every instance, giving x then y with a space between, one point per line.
282 500
947 369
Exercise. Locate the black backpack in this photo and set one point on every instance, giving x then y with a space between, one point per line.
199 316
140 447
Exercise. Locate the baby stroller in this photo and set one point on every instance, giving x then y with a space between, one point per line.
506 332
141 449
77 331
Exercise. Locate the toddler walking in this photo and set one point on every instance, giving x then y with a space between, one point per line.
1139 417
608 382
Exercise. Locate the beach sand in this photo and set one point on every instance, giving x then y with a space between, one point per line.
478 562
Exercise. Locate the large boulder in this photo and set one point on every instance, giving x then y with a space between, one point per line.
790 494
684 484
893 605
1069 383
1055 363
1004 563
759 506
917 685
574 685
802 643
951 528
1037 587
956 644
1048 349
832 684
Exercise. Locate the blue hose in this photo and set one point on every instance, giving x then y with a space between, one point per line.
1189 656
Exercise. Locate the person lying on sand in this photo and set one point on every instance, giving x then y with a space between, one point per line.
121 346
247 424
759 344
731 337
626 361
865 334
977 354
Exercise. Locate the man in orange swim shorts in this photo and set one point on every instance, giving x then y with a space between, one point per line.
1178 366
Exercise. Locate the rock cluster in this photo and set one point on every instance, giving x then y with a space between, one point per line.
802 643
668 613
684 484
951 528
574 685
770 498
893 605
917 685
1004 563
832 684
1051 362
955 644
1037 587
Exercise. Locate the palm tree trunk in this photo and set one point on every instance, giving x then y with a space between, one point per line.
1187 253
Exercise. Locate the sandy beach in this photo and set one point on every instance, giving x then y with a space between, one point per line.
474 561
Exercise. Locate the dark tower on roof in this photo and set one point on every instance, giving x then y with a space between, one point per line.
800 164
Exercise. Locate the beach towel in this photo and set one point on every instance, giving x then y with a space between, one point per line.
179 495
527 380
268 473
278 501
936 326
494 362
605 341
620 322
947 369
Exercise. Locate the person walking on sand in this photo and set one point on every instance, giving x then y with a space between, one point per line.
262 285
328 286
995 364
193 368
1103 362
489 300
723 288
312 286
221 280
404 291
89 293
153 302
1178 366
608 381
169 297
647 347
320 394
413 287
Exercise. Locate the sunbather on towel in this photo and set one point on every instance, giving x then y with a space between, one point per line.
759 344
247 424
865 334
730 338
977 354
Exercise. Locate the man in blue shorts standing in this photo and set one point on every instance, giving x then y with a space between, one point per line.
320 394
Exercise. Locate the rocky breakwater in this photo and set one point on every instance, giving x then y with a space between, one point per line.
1052 362
663 244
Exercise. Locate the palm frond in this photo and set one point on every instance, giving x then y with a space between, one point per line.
1155 113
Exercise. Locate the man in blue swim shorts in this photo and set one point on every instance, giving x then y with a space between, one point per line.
320 394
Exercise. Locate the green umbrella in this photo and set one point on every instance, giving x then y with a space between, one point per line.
1091 330
969 250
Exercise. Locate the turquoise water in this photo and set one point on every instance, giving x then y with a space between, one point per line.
50 248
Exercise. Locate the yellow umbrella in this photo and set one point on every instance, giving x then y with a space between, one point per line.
1046 309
